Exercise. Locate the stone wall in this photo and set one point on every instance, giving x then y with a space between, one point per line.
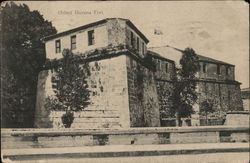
164 75
245 95
164 69
211 71
246 104
165 91
109 97
143 99
46 138
101 40
142 49
238 118
225 97
116 32
119 33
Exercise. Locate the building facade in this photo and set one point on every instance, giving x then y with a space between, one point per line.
245 95
123 90
215 83
129 84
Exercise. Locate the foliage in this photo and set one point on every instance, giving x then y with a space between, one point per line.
68 119
184 95
207 107
22 57
70 84
10 98
139 82
165 112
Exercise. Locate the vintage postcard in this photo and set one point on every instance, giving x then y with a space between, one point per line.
125 81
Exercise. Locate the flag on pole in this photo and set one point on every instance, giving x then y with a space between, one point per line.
158 32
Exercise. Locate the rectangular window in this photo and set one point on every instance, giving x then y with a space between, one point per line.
91 37
73 42
132 39
142 47
159 63
218 69
58 46
137 44
227 70
166 67
204 67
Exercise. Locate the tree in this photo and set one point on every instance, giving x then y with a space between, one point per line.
206 108
22 57
184 95
70 86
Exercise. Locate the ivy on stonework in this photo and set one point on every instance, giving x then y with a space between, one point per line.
71 89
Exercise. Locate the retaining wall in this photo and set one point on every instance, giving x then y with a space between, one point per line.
53 138
238 118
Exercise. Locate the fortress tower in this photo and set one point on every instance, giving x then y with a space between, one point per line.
130 84
120 96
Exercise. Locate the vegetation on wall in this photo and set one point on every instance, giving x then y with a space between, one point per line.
70 87
206 108
22 58
184 95
165 100
139 82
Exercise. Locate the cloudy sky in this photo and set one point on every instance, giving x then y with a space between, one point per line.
215 29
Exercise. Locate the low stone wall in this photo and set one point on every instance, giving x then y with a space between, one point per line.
52 138
237 118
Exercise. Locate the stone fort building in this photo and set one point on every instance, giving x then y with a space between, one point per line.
129 82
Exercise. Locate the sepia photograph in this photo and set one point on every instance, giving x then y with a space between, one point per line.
125 81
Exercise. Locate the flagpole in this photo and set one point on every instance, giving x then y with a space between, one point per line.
159 32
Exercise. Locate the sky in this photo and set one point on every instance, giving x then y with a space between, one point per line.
217 29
